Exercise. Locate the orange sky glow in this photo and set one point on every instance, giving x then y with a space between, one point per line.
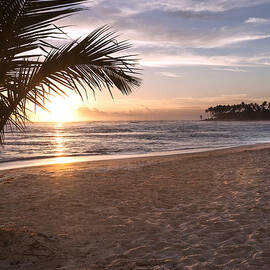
193 54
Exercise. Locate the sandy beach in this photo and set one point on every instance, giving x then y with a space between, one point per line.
208 210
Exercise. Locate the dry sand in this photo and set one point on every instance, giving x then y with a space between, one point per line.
206 210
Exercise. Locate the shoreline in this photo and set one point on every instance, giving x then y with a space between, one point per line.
37 162
207 210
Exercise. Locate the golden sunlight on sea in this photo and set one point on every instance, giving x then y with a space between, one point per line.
59 141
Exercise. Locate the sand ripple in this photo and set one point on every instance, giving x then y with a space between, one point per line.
200 211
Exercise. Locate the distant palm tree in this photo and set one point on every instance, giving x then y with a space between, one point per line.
242 111
263 106
32 67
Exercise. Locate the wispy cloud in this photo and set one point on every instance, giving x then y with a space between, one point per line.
226 41
189 59
184 5
156 109
170 74
148 28
86 114
232 69
258 20
217 38
187 102
203 102
226 35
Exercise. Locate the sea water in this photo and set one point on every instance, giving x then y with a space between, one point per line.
119 139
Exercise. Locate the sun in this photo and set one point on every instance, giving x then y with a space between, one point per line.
60 110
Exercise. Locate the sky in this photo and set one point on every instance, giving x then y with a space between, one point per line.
194 54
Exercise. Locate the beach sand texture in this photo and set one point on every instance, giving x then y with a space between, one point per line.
206 210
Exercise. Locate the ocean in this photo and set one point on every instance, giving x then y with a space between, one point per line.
46 141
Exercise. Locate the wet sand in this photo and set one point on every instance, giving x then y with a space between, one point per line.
207 210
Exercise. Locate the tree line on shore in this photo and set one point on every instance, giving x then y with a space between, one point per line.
242 111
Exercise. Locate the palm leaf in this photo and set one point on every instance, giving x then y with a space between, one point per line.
24 22
91 63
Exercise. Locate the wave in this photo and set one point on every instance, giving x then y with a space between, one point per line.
105 152
113 138
44 157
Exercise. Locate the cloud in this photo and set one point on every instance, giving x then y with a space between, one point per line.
172 21
147 28
170 74
87 114
257 20
232 69
225 41
217 38
189 59
183 5
181 108
192 103
203 102
170 55
187 32
205 5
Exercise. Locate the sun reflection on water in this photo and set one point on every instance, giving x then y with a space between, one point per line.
59 140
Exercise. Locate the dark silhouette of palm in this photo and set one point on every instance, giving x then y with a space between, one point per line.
32 67
242 111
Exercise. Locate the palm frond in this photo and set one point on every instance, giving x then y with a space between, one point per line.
94 62
24 22
81 64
